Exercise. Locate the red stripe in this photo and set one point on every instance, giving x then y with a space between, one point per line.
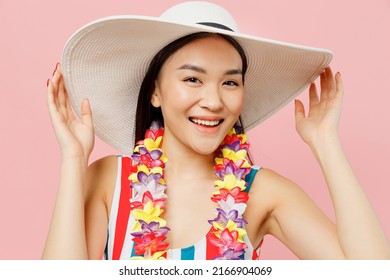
255 255
123 210
211 250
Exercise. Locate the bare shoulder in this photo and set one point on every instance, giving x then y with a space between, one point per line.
293 217
101 177
103 166
278 193
272 187
270 192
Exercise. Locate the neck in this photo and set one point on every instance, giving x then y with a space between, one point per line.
182 161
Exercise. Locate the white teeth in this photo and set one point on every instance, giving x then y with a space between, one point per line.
207 123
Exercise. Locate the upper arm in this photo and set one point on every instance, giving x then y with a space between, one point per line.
295 220
101 176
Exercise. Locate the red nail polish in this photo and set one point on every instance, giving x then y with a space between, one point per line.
47 83
55 68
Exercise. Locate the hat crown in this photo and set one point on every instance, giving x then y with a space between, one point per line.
200 12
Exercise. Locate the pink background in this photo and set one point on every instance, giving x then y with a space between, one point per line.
33 34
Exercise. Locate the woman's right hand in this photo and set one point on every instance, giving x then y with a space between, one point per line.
76 138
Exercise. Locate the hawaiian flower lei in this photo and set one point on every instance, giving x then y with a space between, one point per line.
147 205
231 166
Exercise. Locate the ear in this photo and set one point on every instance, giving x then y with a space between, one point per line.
155 99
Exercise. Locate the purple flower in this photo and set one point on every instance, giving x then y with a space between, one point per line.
148 183
148 158
223 218
231 168
238 129
235 146
156 125
229 205
230 254
152 227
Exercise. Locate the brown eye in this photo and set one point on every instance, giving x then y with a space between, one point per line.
230 83
192 80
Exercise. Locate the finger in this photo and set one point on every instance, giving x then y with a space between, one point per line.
299 111
55 80
339 84
323 86
65 105
56 74
86 113
64 94
327 83
331 83
313 96
50 97
69 110
62 97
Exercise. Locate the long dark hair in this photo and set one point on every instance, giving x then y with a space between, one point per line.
146 112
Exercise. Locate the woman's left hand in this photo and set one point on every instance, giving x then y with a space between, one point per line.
321 122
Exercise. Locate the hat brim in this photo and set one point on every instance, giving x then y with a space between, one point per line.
106 60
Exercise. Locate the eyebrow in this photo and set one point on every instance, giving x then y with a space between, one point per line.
203 71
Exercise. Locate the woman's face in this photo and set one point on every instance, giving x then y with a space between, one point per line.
200 91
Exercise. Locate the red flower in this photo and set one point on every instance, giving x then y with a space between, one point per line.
150 163
228 240
154 134
236 193
147 196
237 164
133 168
150 244
230 139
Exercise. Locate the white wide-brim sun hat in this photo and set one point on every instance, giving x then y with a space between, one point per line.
106 60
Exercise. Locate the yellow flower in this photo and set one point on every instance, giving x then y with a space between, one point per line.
245 164
150 144
163 158
143 168
242 136
232 131
149 214
229 182
227 153
231 226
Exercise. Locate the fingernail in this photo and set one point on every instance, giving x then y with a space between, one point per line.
47 83
339 74
55 68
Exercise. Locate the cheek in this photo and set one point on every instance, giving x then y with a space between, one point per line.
175 103
177 97
234 103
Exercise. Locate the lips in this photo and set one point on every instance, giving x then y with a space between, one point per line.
210 123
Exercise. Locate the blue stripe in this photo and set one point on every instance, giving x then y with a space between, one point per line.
250 177
133 254
188 253
106 249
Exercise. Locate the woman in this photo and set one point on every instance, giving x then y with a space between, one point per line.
194 87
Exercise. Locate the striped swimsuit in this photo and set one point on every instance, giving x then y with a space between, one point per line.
119 244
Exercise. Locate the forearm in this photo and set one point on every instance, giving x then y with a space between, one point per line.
359 230
66 237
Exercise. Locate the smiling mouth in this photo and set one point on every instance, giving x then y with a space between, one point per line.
205 122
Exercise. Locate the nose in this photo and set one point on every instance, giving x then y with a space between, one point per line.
211 99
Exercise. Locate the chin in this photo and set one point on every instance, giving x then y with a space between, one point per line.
206 147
